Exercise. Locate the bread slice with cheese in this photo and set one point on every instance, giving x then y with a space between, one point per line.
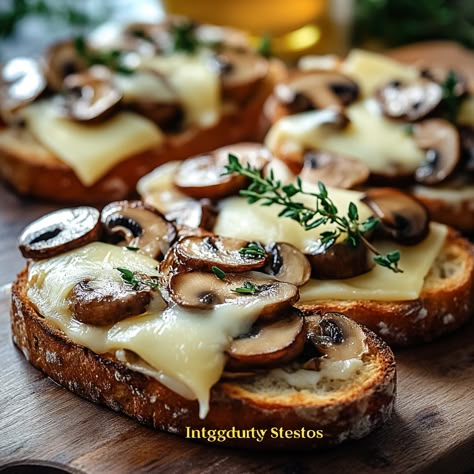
340 409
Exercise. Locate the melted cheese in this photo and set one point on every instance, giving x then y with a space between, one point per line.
239 219
466 112
184 347
196 83
91 150
144 85
380 143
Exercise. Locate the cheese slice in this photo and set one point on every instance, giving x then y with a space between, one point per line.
382 144
144 85
185 347
239 219
91 150
196 83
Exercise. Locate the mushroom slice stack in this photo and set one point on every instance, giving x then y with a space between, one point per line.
334 169
136 225
402 216
226 253
205 290
410 101
286 263
442 143
60 231
203 176
268 345
91 95
335 336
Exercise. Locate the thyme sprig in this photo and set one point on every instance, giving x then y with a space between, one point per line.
248 288
253 250
269 191
136 279
451 98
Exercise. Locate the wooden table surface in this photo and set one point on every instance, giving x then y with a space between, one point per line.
432 429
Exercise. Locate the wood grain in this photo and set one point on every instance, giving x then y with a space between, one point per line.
432 429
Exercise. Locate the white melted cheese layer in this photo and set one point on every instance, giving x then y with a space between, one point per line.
186 347
91 150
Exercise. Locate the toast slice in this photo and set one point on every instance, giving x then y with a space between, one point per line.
343 410
445 303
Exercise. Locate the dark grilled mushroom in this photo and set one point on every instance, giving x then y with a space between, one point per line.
135 224
312 90
334 169
268 345
195 214
61 60
442 143
105 302
341 260
287 263
402 216
91 95
21 82
410 102
60 231
205 290
202 176
335 336
226 253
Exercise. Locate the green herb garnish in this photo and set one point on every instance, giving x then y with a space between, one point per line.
137 280
451 99
264 47
269 191
248 288
133 249
184 38
253 250
218 272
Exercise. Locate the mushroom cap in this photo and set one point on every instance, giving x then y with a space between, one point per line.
60 231
195 214
287 263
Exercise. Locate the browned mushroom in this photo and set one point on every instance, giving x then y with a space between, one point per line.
311 90
195 214
287 263
340 260
226 253
241 73
442 143
21 82
333 169
268 345
105 302
91 95
60 231
410 101
137 225
335 336
402 216
206 290
441 75
203 176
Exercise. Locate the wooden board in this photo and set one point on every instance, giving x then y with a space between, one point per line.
432 428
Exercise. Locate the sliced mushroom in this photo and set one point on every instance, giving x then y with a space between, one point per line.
134 224
402 216
467 146
60 231
241 73
334 169
61 60
312 90
442 143
195 214
205 290
203 176
409 101
336 336
441 75
340 260
105 302
268 345
21 82
91 95
286 263
226 253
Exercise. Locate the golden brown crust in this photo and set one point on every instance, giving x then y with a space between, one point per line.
33 171
443 306
103 379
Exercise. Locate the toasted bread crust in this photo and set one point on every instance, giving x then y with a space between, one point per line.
443 306
32 170
104 379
